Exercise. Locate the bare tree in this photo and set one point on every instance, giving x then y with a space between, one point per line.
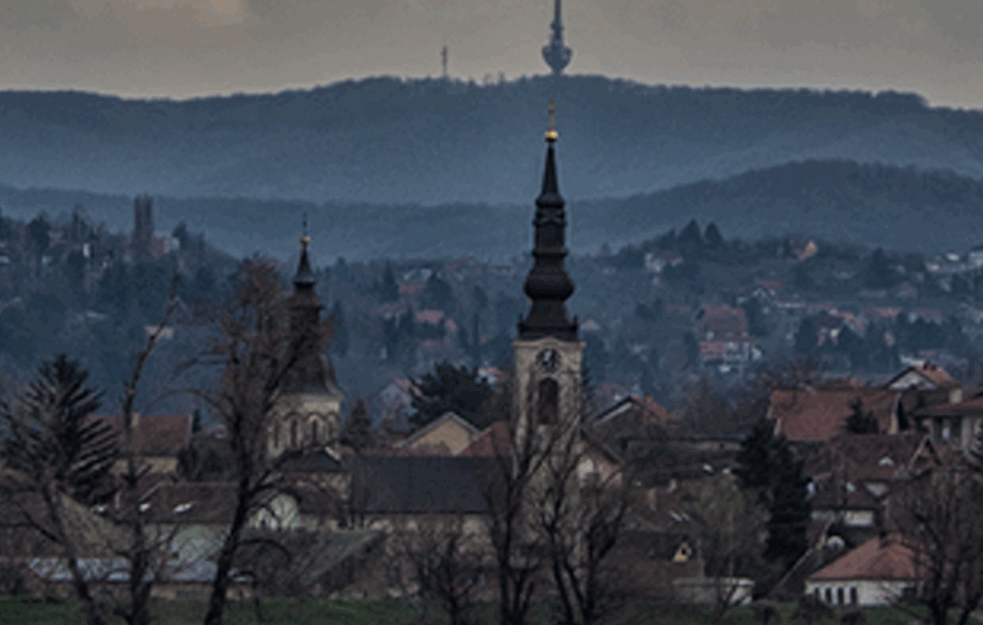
517 546
938 515
146 551
256 351
730 525
446 558
580 517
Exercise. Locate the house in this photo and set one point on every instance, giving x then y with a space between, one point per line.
817 415
729 352
392 405
159 438
878 572
927 377
634 419
597 460
721 322
955 424
447 435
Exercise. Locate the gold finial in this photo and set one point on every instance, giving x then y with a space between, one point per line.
305 240
551 134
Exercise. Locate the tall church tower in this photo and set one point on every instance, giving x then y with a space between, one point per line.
548 350
308 415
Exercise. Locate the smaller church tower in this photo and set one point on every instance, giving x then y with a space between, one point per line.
548 350
308 415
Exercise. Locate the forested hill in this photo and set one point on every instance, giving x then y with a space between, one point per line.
899 208
388 140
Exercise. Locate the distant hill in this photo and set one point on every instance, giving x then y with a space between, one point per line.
898 208
387 140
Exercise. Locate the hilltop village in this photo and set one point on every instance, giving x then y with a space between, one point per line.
729 419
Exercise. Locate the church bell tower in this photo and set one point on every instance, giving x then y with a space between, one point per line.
548 350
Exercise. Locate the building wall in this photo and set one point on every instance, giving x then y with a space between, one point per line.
866 592
304 409
449 435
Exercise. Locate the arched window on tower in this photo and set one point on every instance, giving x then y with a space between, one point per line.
548 402
276 435
294 434
315 430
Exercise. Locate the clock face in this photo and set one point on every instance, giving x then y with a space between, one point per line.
549 359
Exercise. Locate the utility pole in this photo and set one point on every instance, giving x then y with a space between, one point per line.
443 61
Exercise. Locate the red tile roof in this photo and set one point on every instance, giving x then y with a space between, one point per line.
157 435
866 457
886 559
817 415
970 407
494 440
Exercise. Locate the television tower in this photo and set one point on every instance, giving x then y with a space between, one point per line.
557 55
443 61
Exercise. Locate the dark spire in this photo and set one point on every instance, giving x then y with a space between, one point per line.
312 373
304 280
557 55
548 285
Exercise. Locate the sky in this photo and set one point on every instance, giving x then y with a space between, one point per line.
188 48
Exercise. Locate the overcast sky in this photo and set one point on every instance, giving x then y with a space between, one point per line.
184 48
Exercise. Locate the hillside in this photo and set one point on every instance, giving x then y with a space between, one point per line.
386 140
899 208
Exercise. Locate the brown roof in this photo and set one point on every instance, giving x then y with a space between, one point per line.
157 435
877 559
494 440
192 502
933 373
866 457
818 415
970 407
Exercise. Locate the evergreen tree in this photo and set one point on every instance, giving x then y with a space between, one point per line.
712 236
754 459
450 388
339 340
879 274
860 421
388 289
51 437
38 229
789 508
807 337
690 235
357 431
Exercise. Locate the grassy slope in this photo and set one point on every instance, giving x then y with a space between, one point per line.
325 612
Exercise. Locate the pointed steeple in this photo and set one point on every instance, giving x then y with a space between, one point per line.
313 372
304 279
548 285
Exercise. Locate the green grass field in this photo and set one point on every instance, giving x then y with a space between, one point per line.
15 611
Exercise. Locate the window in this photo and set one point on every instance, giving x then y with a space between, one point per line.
829 595
276 435
314 433
839 596
293 434
853 595
547 403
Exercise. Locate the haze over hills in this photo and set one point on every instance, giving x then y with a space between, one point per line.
387 140
876 205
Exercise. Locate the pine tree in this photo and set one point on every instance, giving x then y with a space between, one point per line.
754 458
449 388
339 340
388 289
860 421
52 437
789 508
357 431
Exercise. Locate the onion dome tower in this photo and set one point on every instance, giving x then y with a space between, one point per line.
548 351
308 415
